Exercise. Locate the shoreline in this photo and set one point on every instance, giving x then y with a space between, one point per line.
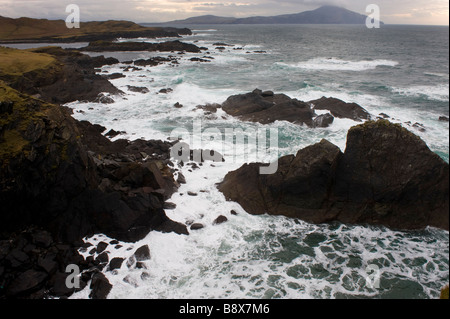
107 163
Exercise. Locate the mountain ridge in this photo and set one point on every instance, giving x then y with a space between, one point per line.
323 15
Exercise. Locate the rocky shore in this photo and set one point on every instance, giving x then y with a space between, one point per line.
386 176
267 107
62 179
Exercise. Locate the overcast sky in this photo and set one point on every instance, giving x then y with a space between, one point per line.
392 11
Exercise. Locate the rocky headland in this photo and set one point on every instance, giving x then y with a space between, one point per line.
62 179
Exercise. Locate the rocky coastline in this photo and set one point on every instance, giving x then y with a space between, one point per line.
63 179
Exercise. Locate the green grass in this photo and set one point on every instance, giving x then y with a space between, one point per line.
29 29
15 62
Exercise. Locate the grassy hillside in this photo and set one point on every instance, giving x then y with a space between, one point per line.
17 62
33 29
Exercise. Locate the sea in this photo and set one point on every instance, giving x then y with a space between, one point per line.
401 71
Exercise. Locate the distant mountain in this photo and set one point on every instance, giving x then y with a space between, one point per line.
322 15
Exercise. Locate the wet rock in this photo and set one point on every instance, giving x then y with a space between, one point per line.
100 286
386 176
178 105
114 76
192 193
169 205
101 246
324 120
165 91
138 89
115 263
104 99
267 109
142 253
181 179
443 118
220 220
197 226
341 109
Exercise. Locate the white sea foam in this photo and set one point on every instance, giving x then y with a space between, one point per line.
258 256
334 64
431 92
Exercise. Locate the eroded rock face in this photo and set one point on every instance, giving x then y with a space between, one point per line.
64 175
386 176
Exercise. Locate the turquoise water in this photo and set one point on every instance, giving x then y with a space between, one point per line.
402 71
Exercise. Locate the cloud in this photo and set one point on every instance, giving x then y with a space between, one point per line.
393 11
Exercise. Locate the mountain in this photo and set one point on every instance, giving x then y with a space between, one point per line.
322 15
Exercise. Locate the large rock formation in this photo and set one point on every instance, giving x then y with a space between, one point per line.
63 75
64 179
267 107
168 46
386 176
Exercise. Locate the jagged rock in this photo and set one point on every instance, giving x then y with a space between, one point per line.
115 263
142 253
165 91
100 286
323 120
104 99
138 89
386 176
266 109
443 118
220 220
341 109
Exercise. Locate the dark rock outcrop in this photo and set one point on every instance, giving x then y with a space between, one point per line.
341 109
168 46
73 78
323 120
386 176
267 107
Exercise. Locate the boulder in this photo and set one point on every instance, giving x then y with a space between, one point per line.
115 263
341 109
142 253
220 220
266 107
138 89
197 226
386 176
100 286
323 120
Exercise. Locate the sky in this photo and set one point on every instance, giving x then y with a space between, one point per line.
430 12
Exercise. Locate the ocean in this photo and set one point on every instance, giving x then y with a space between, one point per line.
401 71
